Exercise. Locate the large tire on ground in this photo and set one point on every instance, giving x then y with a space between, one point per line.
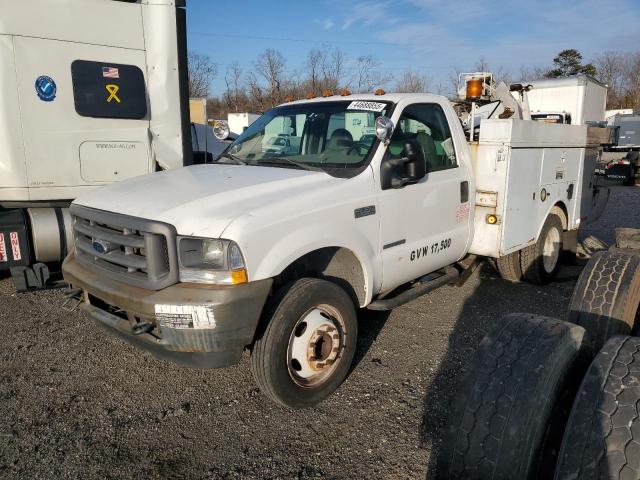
509 414
606 297
509 267
307 347
602 438
540 262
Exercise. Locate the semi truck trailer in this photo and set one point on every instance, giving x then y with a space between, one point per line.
91 92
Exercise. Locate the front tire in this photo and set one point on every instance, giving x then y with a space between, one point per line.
308 345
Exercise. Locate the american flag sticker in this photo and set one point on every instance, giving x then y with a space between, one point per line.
15 246
110 72
3 249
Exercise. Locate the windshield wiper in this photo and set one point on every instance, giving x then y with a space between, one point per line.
233 157
300 165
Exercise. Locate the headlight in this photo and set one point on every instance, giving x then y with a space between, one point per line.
213 261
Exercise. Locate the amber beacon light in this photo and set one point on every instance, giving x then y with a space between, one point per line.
474 89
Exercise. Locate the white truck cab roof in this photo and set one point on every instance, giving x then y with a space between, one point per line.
371 97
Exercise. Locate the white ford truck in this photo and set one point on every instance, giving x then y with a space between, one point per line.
275 251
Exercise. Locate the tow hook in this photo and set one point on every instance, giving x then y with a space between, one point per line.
73 300
142 327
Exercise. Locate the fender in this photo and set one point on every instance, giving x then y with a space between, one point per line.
297 242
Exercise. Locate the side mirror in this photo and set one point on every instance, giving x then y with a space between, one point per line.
416 165
410 168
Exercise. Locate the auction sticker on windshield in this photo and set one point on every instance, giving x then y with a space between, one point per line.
367 106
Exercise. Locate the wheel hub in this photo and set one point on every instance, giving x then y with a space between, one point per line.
315 347
551 250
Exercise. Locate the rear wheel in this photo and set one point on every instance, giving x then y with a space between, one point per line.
509 414
606 297
509 267
308 345
602 438
540 262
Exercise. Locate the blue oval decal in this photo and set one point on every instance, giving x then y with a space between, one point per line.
46 88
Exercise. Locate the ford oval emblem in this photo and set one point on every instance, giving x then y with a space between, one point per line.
46 88
100 246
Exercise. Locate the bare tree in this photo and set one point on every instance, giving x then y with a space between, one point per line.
412 82
325 69
528 74
234 93
202 71
482 65
332 70
632 82
270 65
611 68
256 95
368 75
314 61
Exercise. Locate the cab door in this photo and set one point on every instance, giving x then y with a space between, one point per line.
426 225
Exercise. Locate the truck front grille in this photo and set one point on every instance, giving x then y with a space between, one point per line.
136 251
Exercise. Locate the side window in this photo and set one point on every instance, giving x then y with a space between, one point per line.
108 90
427 124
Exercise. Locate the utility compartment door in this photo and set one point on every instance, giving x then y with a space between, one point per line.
522 198
57 122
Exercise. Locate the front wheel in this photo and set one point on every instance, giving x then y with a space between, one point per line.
307 348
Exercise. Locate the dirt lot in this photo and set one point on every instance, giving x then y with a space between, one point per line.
75 403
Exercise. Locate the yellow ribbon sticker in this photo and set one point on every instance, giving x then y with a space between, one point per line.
113 92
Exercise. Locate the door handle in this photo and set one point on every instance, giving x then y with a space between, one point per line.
464 192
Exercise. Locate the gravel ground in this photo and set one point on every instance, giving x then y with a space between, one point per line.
76 403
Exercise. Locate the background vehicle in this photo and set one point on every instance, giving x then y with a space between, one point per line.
289 245
82 107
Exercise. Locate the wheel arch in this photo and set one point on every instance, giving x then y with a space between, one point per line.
560 209
339 265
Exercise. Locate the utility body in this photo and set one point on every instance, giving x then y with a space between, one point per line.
275 251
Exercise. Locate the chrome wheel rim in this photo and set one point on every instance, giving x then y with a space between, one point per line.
551 250
316 346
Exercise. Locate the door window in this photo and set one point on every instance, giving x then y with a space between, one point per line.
427 124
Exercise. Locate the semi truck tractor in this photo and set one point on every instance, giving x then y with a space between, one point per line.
274 251
91 92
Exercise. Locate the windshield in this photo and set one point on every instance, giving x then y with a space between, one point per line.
316 135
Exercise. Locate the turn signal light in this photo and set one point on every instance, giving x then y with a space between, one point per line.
239 276
492 219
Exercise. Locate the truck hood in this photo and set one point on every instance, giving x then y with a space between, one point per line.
203 200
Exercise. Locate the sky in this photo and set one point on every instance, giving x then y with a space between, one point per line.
432 37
